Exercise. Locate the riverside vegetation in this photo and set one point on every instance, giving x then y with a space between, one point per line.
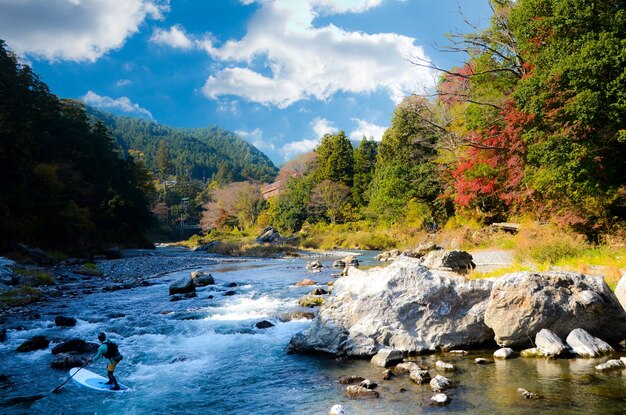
529 129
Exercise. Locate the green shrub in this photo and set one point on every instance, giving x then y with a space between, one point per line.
19 296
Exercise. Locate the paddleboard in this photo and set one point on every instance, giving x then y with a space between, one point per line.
92 380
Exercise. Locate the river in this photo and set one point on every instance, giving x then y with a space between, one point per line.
205 356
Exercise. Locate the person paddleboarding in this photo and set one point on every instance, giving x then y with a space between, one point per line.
111 352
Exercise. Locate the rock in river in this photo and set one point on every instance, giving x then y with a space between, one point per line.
584 344
183 285
34 343
522 304
62 321
549 344
387 357
403 306
201 278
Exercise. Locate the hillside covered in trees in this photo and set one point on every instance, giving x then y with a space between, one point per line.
209 153
64 184
531 126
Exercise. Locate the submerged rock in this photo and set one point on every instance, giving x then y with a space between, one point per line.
297 315
585 345
613 364
403 306
406 367
350 379
34 343
527 394
358 391
440 399
305 282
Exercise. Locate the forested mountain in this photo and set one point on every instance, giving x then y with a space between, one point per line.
531 126
202 153
64 184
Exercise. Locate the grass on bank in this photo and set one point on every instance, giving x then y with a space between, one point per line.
20 296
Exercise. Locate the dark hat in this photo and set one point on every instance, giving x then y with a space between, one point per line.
102 337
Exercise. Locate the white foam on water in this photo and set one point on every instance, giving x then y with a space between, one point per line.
246 308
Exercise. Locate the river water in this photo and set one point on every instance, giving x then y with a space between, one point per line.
205 356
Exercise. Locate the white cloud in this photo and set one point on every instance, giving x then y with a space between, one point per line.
122 104
76 30
300 61
224 105
174 37
123 82
368 130
297 147
334 6
322 126
255 137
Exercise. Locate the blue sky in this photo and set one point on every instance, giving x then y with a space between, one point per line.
280 73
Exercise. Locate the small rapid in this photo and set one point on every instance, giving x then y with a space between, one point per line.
205 355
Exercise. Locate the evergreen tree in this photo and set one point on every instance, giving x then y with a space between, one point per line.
364 166
164 166
335 159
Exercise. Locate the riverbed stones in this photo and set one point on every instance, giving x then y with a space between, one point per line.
350 379
34 343
585 345
311 301
407 367
360 392
533 352
403 306
62 321
297 315
202 278
388 255
339 264
387 357
305 282
318 291
481 361
448 260
7 268
504 353
420 376
314 265
440 383
527 394
440 399
183 285
613 364
441 365
549 343
521 304
369 384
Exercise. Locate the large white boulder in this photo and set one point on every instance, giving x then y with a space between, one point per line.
584 344
404 306
522 304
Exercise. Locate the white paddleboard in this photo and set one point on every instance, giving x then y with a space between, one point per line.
92 380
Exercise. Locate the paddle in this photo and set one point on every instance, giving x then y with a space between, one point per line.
70 378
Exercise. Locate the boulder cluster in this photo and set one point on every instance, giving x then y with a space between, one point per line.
413 309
